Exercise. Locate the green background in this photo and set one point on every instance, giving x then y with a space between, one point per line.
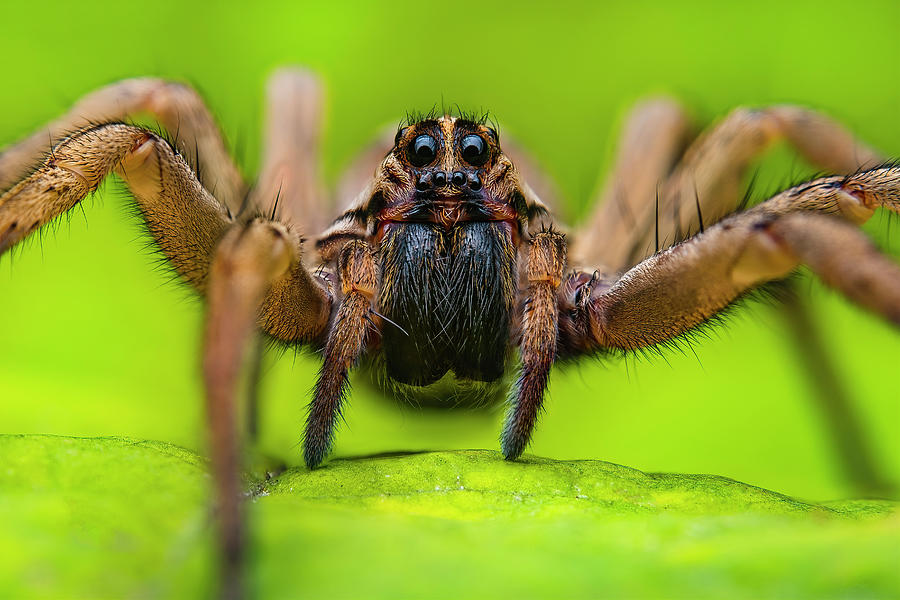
94 341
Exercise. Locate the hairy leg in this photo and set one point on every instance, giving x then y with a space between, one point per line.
289 190
178 108
263 277
347 340
706 186
544 271
707 182
184 219
673 291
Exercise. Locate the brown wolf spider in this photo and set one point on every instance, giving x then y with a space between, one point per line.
447 259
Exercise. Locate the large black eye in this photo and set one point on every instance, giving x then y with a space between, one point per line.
422 150
474 150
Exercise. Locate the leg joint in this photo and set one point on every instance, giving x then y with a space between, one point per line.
356 266
547 258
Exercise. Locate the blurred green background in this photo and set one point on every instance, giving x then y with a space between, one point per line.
94 341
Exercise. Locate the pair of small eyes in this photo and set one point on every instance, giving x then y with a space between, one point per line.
423 150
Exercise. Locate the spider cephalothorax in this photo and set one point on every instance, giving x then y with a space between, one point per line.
446 213
443 219
446 261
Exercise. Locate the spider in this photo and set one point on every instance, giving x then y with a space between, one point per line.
445 259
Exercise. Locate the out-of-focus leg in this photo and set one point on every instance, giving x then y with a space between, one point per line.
298 305
247 261
833 398
290 165
655 133
256 277
707 182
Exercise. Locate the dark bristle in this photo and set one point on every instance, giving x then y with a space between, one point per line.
748 194
656 215
697 203
275 204
473 117
414 117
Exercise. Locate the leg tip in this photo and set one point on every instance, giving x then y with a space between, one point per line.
312 460
314 454
512 448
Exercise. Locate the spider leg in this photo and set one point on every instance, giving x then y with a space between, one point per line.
290 303
177 107
833 398
671 292
645 200
843 258
652 139
707 182
347 340
250 257
298 305
184 219
544 271
289 186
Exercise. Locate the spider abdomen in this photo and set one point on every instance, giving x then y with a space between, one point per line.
451 290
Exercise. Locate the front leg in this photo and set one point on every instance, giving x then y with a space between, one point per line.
346 341
546 263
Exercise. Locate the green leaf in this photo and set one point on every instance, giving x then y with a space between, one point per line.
113 517
102 517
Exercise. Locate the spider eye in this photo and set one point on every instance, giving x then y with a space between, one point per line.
474 150
422 150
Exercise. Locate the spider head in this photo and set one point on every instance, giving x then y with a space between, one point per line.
446 170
